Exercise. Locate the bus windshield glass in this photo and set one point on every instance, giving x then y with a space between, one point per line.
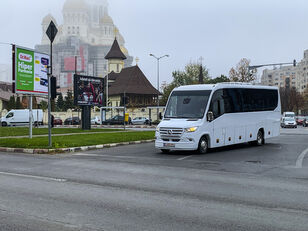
187 104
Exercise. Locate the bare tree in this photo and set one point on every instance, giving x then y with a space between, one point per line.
291 100
241 72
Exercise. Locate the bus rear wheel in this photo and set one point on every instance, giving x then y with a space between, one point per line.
203 145
260 138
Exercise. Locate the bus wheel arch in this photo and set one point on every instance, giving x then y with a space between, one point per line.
260 137
203 144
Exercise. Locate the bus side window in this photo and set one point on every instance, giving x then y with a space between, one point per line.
217 104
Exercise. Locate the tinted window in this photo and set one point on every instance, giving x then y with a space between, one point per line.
217 104
232 100
259 99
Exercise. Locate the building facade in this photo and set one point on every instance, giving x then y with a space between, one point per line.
288 76
82 42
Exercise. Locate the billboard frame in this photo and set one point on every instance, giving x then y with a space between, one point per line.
15 73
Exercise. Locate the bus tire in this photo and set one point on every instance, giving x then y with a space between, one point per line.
203 145
165 150
260 138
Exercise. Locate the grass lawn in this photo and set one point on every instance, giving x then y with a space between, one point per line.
24 131
76 140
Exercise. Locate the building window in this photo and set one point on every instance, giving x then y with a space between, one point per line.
73 30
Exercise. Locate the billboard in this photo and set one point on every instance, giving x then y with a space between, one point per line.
31 72
88 91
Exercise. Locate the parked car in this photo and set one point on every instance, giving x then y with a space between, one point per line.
288 122
299 120
96 120
116 120
305 121
140 120
57 121
72 121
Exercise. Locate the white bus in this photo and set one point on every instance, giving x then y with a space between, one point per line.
198 117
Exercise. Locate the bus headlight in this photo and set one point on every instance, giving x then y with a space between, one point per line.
191 129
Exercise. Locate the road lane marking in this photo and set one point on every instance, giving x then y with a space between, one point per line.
33 176
185 157
300 159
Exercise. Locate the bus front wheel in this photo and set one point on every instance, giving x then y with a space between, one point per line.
203 145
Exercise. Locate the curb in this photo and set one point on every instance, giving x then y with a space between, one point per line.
75 149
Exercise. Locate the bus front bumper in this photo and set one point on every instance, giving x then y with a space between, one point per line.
176 146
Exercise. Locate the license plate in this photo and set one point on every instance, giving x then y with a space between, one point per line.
169 145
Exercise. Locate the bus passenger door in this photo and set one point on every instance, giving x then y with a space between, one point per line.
219 128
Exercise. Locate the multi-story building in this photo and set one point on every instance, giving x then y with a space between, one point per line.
288 76
82 42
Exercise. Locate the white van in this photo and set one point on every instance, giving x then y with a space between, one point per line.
21 117
198 117
288 114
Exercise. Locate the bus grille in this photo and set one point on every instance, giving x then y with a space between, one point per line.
170 133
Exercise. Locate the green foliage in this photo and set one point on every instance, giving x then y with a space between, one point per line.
60 103
69 101
11 104
43 105
219 79
18 103
189 76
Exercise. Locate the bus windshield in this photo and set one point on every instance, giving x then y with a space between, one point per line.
187 104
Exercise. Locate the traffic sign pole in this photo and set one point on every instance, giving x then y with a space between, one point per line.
51 33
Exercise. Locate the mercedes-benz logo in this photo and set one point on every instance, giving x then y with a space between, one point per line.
169 132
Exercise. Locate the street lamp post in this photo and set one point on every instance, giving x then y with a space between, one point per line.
158 58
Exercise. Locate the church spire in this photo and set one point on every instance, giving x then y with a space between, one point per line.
115 51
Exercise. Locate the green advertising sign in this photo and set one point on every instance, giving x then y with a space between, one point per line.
31 71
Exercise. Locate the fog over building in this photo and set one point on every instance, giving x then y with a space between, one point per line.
85 37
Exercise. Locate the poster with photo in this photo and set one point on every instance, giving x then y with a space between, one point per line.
88 91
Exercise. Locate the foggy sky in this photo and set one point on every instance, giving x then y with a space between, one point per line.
221 31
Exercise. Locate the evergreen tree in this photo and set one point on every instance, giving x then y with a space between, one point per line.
43 105
69 101
11 104
18 103
60 103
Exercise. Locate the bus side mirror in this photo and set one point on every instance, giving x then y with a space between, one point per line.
210 116
160 116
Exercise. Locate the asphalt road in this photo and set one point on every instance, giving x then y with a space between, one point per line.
136 187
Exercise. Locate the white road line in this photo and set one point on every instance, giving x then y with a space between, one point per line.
84 154
300 159
32 176
185 157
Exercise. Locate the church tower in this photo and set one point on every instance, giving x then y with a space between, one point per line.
115 58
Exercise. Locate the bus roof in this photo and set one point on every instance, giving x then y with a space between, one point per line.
222 85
